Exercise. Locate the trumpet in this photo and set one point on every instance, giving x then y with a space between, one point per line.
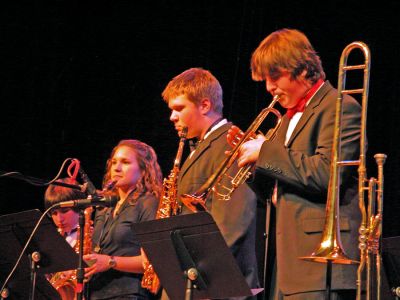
197 202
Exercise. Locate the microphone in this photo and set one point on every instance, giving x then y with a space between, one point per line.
88 186
106 201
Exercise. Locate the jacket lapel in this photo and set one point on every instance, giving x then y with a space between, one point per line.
281 133
309 111
202 147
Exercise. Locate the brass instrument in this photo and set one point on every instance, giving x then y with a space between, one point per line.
197 201
330 249
65 282
168 207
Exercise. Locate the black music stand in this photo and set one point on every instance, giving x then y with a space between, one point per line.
56 255
183 246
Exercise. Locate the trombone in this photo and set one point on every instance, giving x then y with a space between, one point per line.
330 249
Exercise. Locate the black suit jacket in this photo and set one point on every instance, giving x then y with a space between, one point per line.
302 168
235 218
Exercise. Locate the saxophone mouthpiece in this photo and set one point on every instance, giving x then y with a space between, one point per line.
183 133
109 185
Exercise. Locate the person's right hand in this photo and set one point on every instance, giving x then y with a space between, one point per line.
97 263
145 260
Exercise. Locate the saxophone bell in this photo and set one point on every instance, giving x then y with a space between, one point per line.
109 186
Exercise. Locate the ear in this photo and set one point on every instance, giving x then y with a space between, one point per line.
303 74
205 106
303 79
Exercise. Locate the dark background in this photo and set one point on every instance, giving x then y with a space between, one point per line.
78 76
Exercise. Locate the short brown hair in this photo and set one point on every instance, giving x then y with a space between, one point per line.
55 194
196 84
286 50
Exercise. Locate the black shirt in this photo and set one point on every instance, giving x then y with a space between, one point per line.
114 236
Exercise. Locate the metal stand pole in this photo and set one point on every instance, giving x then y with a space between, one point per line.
191 275
328 279
80 272
34 258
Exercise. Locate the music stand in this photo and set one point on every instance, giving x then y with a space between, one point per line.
182 244
56 254
391 266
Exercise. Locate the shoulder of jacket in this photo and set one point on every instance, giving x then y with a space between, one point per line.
220 131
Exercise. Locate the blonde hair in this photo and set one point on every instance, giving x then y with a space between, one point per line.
151 180
196 84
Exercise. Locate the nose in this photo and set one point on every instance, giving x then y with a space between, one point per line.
174 116
116 166
270 86
60 217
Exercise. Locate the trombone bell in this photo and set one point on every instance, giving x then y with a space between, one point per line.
329 252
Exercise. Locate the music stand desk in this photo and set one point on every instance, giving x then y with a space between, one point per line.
220 276
56 254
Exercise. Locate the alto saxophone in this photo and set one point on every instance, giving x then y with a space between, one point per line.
65 282
168 207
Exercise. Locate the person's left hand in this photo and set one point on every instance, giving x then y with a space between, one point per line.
97 263
234 135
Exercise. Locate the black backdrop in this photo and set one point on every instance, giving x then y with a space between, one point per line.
78 76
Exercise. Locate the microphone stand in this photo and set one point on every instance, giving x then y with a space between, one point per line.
68 185
34 260
41 182
80 271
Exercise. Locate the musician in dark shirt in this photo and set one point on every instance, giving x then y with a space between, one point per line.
118 264
66 219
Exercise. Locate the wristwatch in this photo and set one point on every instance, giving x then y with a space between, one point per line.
111 262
